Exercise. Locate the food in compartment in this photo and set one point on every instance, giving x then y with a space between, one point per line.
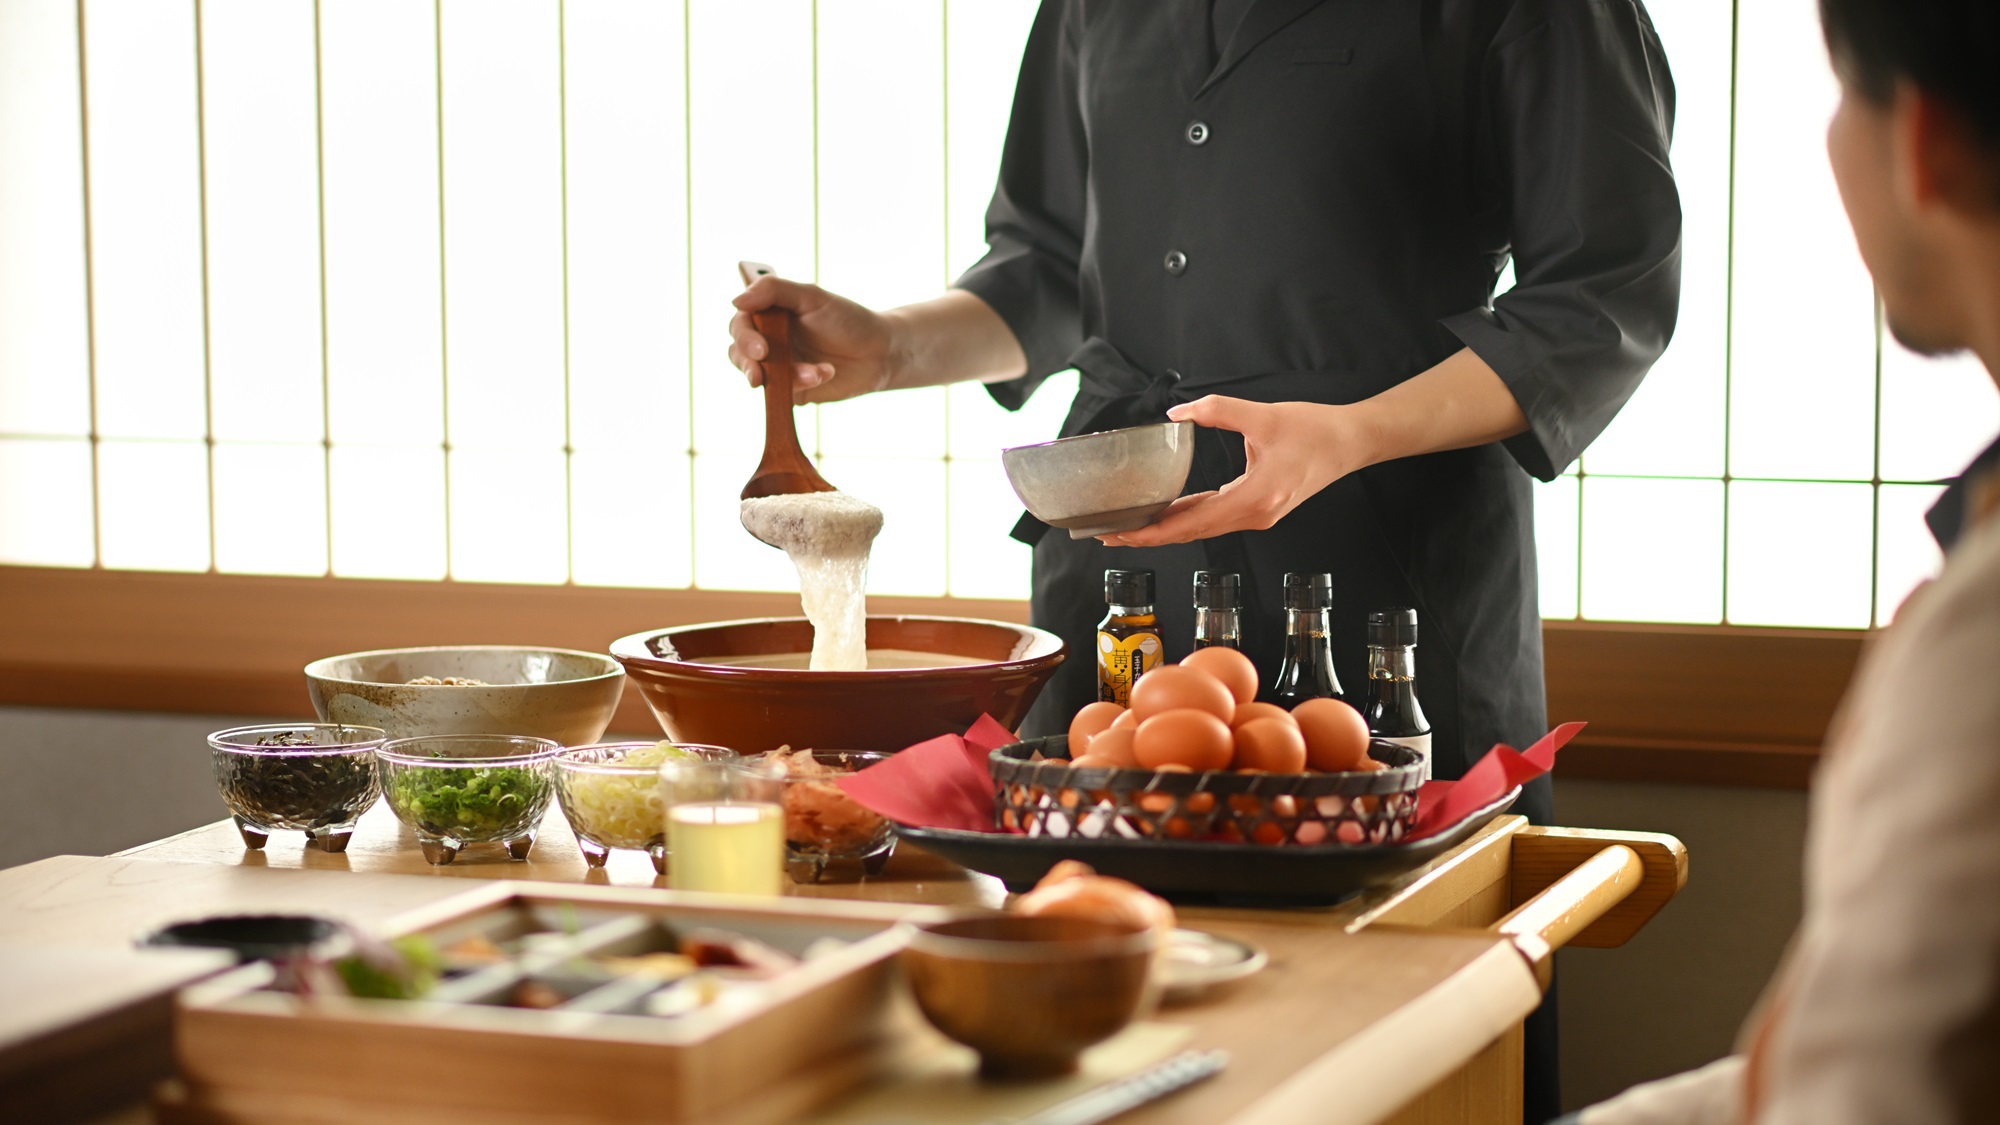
406 968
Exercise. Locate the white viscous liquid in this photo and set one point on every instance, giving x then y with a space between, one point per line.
827 536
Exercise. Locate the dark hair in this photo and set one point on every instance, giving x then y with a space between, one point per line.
1947 48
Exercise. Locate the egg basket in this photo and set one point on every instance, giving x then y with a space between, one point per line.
1036 791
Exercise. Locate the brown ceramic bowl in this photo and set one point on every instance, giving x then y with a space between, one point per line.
751 710
1029 993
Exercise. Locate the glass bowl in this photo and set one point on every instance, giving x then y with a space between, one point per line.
460 789
317 778
824 824
610 791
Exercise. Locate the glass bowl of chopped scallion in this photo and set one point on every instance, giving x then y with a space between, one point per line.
610 791
316 778
455 790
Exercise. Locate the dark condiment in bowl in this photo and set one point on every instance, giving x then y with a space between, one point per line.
317 778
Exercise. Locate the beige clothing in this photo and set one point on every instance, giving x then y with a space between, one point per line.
1887 1007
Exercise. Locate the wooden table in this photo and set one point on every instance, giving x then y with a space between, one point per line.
1403 1004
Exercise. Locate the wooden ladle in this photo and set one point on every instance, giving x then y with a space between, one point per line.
785 468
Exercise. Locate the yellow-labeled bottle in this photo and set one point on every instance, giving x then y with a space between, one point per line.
1128 639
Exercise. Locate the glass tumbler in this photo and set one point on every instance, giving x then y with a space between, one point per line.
725 826
312 777
611 793
460 789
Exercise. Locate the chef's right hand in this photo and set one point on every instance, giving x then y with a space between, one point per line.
840 349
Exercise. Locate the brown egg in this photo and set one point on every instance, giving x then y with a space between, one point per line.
1183 736
1273 745
1161 802
1229 666
1336 735
1089 722
1115 746
1089 761
1248 711
1126 721
1174 688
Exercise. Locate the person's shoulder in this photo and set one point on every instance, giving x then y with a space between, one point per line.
1960 608
1514 19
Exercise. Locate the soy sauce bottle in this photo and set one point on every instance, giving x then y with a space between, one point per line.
1128 639
1307 670
1218 609
1392 710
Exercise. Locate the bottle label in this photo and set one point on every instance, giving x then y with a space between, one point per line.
1421 743
1121 660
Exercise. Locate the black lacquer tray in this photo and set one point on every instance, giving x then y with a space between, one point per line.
1205 872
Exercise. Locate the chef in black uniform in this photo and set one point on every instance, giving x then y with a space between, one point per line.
1285 220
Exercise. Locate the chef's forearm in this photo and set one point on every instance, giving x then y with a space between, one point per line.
954 338
1459 403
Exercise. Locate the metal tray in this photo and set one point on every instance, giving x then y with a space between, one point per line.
1201 872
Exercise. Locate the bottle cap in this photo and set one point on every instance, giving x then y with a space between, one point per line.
1217 589
1308 591
1128 587
1396 625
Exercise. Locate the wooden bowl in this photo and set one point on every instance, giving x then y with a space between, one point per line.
1029 993
751 710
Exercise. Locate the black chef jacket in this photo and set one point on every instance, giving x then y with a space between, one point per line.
1316 215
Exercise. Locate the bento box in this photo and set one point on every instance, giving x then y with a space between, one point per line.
563 1003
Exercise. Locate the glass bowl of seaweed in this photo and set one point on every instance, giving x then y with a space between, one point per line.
610 791
460 789
316 778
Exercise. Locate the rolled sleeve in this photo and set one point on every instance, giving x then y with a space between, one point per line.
1034 226
1581 122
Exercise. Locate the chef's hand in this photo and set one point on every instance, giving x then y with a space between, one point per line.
840 349
1292 450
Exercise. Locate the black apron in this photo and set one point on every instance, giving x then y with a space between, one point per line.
1316 215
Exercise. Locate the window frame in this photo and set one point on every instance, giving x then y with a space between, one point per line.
1675 704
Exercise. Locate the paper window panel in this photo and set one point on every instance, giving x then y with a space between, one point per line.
509 515
152 505
625 114
725 555
48 515
1674 425
44 327
270 509
984 40
1652 549
630 510
1799 554
384 321
984 560
1906 553
260 144
1802 369
1937 414
1556 530
388 511
909 555
751 175
145 220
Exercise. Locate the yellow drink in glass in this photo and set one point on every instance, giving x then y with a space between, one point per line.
726 847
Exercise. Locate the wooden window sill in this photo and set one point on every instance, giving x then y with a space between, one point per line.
1704 705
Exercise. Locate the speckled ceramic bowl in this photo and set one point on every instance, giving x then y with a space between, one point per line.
1093 484
554 693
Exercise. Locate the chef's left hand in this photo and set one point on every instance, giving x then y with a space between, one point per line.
1291 450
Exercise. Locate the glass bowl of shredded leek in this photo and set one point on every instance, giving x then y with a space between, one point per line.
455 790
610 791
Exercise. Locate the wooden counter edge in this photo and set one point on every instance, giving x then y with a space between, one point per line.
1541 855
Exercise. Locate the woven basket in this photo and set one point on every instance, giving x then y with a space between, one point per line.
1052 798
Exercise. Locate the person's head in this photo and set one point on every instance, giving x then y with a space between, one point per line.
1915 147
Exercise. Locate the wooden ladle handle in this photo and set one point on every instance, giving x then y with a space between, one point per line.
785 468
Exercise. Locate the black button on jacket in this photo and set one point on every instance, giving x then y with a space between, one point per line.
1366 169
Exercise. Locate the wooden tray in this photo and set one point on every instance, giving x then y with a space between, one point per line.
768 1051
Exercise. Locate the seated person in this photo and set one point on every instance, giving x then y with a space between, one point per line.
1887 1005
